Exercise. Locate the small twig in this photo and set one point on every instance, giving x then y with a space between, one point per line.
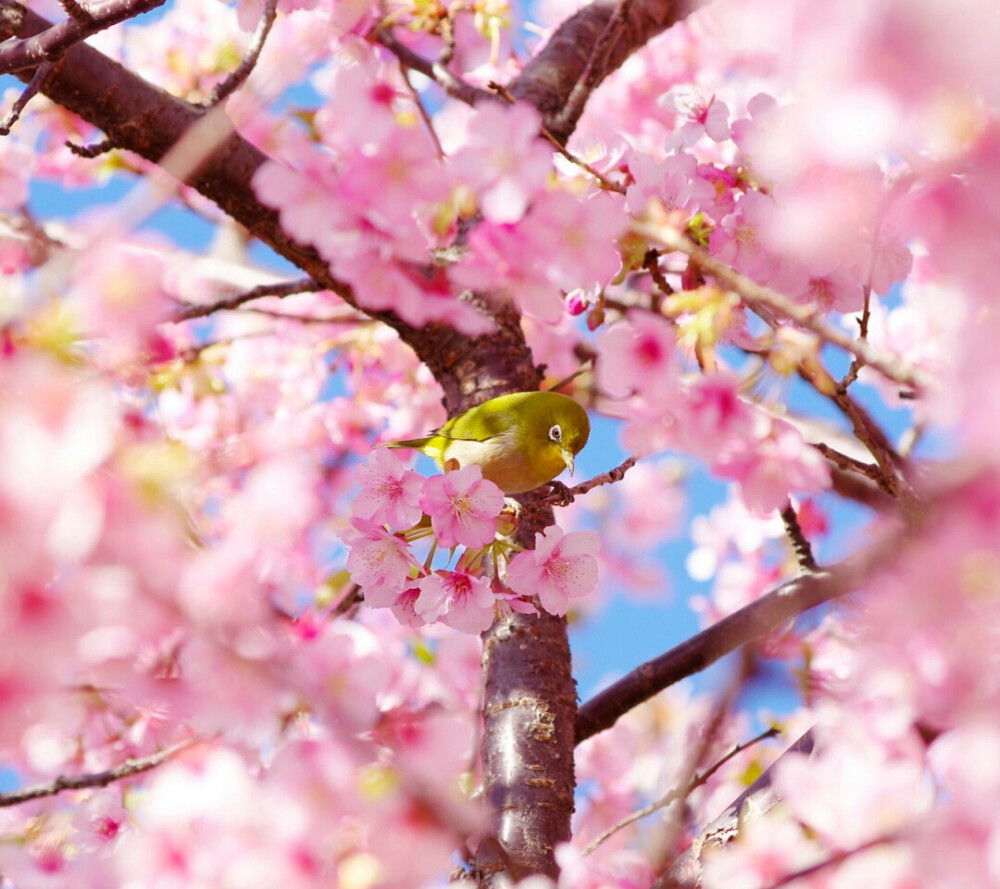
280 289
27 94
348 602
98 779
239 76
870 434
752 804
594 72
352 318
857 364
850 464
424 116
800 544
606 183
447 41
605 478
76 11
565 381
91 151
891 366
651 263
453 85
52 43
835 858
502 91
696 781
890 464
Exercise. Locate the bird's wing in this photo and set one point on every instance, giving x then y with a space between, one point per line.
476 425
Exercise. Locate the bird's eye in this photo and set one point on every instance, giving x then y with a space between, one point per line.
555 433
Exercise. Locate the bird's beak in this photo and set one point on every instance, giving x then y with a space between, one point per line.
569 460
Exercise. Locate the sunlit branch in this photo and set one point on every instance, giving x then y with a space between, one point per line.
31 90
679 793
595 70
800 543
238 77
50 45
280 289
891 366
98 779
753 803
453 85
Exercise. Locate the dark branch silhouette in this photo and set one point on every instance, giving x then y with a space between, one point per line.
97 779
705 648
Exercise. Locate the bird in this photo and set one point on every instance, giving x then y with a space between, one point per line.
519 441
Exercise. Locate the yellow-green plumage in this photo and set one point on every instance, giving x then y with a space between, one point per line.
520 441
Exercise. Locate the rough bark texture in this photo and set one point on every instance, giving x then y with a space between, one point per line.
568 62
527 745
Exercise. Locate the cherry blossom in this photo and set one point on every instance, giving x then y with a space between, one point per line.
463 507
560 568
456 598
390 494
379 560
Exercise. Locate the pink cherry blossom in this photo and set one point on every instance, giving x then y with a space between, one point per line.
638 357
560 568
458 599
16 165
379 561
463 507
503 160
673 181
774 463
390 493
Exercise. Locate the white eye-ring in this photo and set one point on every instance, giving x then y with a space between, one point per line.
555 433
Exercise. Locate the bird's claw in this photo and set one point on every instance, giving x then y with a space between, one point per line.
564 494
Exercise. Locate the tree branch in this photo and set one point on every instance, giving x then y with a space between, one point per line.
549 80
705 648
31 90
800 543
234 301
238 77
755 802
98 779
697 780
891 366
451 83
52 42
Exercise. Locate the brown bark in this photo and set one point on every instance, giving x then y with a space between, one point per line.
584 50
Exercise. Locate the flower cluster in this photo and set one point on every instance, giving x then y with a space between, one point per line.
457 509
